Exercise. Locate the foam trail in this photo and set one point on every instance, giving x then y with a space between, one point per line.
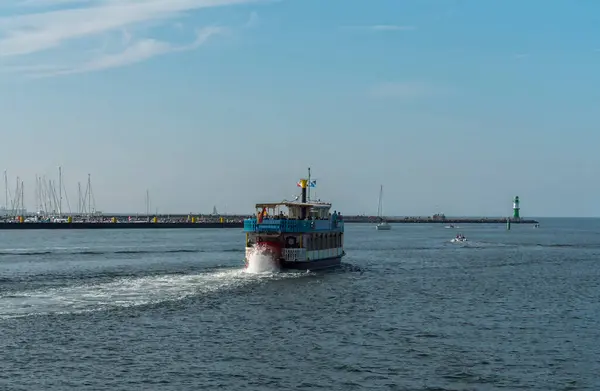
125 292
260 260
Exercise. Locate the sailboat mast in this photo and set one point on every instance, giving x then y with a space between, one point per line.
59 191
90 195
148 204
380 206
5 190
36 195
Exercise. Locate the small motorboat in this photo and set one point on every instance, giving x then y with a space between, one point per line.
459 238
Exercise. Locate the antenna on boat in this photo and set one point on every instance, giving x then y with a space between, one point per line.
308 190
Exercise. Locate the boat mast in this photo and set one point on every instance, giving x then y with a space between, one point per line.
59 191
35 195
308 192
5 190
380 206
148 204
16 199
91 209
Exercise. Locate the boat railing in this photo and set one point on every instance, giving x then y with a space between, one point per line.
290 225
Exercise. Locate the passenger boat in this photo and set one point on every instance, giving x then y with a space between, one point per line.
301 235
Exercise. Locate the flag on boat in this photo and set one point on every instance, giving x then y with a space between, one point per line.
262 214
311 184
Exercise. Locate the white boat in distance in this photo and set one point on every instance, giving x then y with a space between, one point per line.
459 238
382 225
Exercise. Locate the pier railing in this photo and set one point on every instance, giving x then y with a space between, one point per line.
293 226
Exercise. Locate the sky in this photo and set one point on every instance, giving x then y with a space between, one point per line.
453 106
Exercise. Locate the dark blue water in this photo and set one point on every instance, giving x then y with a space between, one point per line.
172 310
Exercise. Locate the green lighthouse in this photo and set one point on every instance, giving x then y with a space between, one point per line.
516 208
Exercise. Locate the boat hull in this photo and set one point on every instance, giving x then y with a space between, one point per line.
312 265
308 265
383 227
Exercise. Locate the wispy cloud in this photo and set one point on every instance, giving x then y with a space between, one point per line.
55 26
139 51
405 90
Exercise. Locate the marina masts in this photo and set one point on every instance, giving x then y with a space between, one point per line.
148 204
88 202
59 191
91 208
5 190
46 199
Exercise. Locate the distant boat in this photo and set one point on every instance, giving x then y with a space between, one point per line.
382 225
459 238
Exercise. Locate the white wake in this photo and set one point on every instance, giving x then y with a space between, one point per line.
124 292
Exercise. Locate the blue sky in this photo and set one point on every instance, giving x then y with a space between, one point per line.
454 106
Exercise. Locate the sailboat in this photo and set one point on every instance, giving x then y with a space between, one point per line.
382 225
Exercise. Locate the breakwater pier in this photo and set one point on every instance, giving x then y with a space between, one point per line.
210 221
433 220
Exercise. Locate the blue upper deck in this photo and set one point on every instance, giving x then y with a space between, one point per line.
293 226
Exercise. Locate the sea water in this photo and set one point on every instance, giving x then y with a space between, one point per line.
174 309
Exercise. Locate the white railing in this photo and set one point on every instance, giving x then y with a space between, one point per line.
294 254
